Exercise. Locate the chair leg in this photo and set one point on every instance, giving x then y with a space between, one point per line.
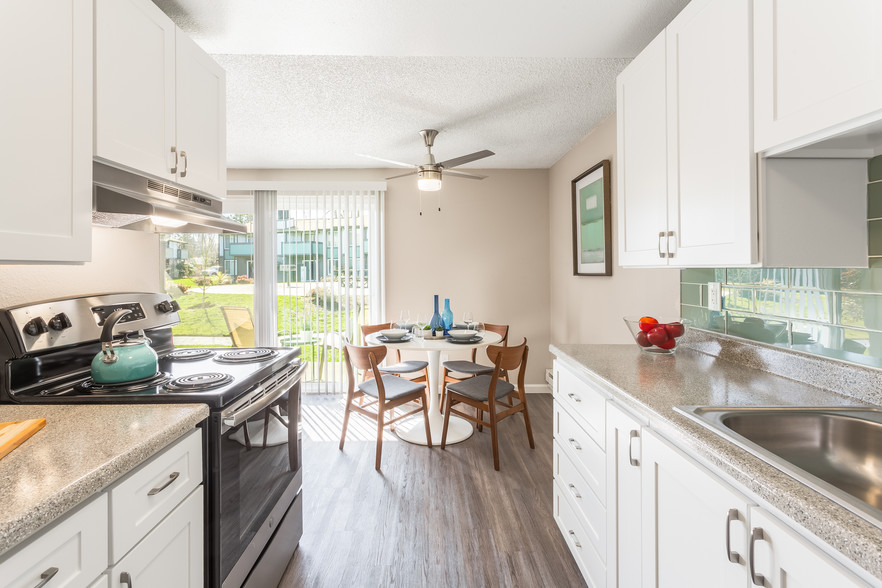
443 388
480 415
494 441
446 422
529 429
426 421
380 415
345 423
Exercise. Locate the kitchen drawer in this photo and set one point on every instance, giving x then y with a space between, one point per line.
583 402
584 452
582 496
75 548
589 561
145 496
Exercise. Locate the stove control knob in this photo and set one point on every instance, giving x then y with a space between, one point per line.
60 322
166 307
35 327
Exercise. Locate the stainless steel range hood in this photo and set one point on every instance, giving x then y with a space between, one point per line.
126 200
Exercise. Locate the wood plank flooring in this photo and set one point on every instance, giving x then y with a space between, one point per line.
431 518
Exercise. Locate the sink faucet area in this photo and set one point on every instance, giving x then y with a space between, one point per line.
834 450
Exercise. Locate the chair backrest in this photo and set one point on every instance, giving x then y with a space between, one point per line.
240 324
506 359
370 330
502 330
365 358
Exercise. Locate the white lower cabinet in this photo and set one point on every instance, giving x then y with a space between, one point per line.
624 503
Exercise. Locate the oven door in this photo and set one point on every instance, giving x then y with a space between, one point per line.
254 480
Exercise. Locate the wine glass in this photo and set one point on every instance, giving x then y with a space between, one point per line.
404 319
479 328
419 325
468 319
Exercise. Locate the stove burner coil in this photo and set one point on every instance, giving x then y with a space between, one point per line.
90 386
245 355
190 354
199 382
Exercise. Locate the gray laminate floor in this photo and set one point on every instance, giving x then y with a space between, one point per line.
431 517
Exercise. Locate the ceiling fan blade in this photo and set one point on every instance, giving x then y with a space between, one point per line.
454 172
466 158
413 173
392 161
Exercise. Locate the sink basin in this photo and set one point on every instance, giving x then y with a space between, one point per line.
837 451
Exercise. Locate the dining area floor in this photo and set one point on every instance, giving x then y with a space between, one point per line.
430 517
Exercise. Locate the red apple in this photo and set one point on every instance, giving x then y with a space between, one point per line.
669 344
657 335
642 341
647 323
675 329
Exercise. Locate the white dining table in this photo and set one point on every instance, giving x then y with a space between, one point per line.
412 430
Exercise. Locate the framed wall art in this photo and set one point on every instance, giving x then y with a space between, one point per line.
592 222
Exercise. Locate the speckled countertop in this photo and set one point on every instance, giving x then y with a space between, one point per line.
80 451
651 386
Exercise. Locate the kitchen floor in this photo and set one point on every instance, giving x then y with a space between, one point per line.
431 517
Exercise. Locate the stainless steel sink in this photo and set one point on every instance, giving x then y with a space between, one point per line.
837 451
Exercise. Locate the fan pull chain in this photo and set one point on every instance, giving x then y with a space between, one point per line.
421 202
439 200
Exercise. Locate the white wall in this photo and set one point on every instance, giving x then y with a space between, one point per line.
589 309
122 261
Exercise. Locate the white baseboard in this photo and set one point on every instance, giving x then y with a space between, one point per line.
537 389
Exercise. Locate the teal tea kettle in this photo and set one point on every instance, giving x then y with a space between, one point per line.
127 360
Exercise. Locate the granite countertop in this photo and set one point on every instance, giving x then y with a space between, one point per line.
80 451
651 385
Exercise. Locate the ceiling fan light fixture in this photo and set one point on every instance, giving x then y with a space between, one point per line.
429 180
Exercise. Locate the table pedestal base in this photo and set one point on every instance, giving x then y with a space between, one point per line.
413 430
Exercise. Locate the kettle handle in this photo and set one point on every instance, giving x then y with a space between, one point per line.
110 323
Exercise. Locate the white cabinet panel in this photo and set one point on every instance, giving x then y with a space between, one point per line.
46 138
624 503
571 526
582 496
583 403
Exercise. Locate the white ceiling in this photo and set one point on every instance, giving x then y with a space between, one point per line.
310 84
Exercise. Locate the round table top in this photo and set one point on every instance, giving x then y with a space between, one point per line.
436 343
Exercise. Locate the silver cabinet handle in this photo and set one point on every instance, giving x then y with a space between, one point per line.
174 168
670 236
661 235
575 539
46 576
575 491
575 444
574 397
756 535
171 478
184 157
125 578
633 435
732 515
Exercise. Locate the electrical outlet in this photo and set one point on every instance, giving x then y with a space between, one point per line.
714 296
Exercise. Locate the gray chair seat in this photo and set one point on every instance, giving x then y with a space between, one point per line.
476 388
395 387
404 367
468 367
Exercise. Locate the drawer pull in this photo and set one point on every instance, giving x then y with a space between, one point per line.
756 535
574 397
633 435
125 578
46 576
575 444
733 556
171 478
575 491
575 539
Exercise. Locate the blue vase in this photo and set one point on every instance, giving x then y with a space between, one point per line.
436 318
447 316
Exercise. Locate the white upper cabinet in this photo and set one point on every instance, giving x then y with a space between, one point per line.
817 69
46 138
687 174
160 99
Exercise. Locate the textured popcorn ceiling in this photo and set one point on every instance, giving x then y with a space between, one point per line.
310 84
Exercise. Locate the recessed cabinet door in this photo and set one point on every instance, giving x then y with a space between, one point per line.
201 119
45 130
135 86
712 197
624 503
817 66
641 193
694 525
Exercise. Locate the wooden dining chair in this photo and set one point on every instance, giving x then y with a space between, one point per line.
491 394
399 368
383 392
472 368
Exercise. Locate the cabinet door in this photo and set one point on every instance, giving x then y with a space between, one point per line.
135 86
689 516
815 68
201 119
641 193
711 163
46 138
170 555
624 504
785 560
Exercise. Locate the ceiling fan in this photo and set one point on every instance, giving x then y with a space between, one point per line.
429 173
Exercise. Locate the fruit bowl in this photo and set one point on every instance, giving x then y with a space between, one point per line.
657 336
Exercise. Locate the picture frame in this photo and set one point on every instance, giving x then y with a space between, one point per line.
592 222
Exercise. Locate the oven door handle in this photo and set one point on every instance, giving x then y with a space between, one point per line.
246 412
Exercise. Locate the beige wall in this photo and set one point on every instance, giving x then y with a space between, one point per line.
122 261
589 309
486 250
